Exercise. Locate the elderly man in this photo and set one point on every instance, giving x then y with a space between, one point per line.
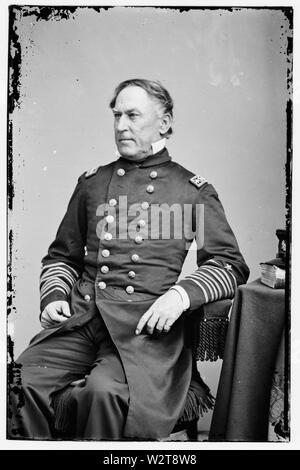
112 308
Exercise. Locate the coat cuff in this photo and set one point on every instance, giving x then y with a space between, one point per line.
56 282
184 296
195 295
210 282
55 295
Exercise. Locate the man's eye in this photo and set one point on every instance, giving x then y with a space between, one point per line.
133 115
117 116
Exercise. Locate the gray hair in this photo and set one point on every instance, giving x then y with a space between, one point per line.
154 89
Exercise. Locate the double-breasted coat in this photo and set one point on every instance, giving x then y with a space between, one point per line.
122 244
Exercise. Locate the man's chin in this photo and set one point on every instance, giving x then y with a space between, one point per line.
130 154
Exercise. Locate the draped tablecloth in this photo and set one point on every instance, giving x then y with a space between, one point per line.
248 375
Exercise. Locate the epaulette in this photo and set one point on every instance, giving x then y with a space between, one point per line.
198 181
91 172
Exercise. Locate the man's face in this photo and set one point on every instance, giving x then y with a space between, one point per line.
138 121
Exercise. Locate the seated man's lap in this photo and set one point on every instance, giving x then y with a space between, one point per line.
105 383
62 358
73 350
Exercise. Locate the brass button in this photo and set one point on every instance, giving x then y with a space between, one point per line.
150 188
108 236
105 253
120 172
131 274
142 223
109 219
129 290
102 285
104 269
87 297
145 205
112 202
153 175
135 257
138 239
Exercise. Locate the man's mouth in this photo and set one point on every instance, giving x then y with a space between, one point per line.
126 140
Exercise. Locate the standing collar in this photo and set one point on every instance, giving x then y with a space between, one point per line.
160 157
158 146
155 147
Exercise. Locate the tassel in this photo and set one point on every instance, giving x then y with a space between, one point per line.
210 342
64 416
198 401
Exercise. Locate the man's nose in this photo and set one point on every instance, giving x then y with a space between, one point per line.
122 124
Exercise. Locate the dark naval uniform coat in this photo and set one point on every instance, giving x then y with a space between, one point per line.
106 265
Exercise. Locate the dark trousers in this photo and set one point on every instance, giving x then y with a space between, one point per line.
100 402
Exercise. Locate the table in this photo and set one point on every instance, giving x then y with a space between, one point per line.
254 337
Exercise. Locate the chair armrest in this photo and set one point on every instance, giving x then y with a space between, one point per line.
217 310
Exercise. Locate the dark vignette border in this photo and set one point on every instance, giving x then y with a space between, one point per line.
288 206
63 12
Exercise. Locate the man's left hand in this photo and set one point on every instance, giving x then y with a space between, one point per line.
162 313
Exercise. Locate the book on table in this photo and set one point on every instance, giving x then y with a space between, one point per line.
273 273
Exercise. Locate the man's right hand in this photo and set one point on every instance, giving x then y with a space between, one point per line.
54 313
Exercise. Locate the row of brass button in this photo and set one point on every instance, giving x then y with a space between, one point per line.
122 172
129 289
150 187
106 253
110 219
138 239
105 269
113 202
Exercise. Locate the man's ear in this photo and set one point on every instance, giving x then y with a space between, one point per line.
165 124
